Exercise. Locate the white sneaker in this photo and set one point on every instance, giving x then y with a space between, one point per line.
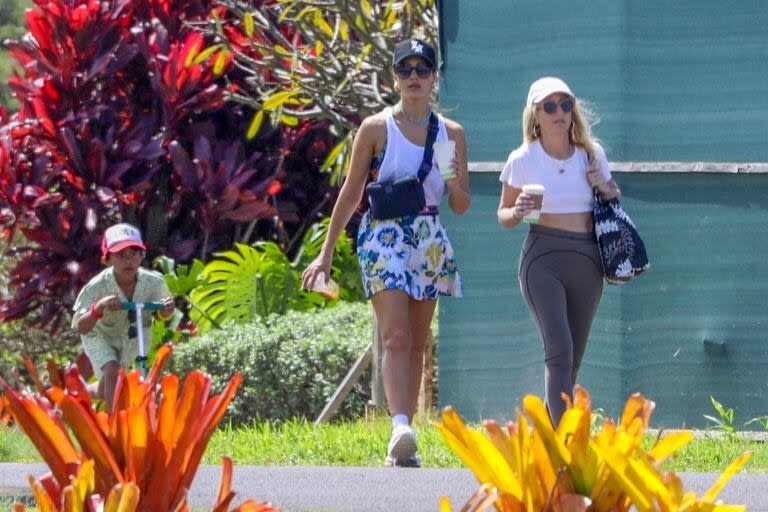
412 462
402 445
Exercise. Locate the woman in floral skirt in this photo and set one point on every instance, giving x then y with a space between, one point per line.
405 262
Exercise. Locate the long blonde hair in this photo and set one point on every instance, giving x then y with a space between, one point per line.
580 132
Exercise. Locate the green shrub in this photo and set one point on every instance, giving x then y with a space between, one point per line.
12 26
291 363
18 338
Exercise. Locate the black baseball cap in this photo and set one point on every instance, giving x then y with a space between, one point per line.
413 48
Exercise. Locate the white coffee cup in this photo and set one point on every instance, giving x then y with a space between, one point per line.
445 151
536 192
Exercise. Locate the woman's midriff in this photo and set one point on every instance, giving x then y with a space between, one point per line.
580 222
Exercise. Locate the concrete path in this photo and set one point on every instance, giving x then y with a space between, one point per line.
345 489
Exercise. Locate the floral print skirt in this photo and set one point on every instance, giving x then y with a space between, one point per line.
410 253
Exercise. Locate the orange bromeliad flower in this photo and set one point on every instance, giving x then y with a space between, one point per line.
142 455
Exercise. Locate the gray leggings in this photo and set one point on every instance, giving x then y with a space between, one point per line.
561 280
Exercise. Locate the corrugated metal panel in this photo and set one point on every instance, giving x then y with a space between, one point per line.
693 326
672 81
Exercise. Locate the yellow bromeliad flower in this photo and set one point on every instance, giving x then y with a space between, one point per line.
534 467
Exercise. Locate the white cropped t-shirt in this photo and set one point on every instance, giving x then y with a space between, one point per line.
402 158
565 182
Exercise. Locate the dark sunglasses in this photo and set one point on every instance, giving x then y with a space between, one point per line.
132 331
403 70
550 107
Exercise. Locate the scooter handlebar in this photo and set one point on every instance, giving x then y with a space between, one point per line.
148 306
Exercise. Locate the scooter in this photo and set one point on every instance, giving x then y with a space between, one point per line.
141 359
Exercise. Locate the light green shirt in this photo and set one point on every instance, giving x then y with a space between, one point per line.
150 287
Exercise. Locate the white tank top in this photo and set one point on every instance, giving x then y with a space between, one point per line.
402 158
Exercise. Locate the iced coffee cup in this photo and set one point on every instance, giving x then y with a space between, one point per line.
329 290
536 192
445 151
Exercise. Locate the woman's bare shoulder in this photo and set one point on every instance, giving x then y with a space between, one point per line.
373 128
375 121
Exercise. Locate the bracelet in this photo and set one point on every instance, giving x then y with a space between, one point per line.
162 317
95 314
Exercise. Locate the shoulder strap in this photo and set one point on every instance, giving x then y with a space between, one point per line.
426 162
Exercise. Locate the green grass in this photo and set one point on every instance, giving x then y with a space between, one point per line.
363 443
16 447
298 443
713 453
7 503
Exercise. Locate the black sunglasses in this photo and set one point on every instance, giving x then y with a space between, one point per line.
550 107
132 331
403 70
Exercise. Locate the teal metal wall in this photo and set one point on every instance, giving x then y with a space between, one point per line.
681 81
671 80
693 326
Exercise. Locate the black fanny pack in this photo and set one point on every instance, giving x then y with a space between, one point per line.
405 196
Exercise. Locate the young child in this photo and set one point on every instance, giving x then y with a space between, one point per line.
109 333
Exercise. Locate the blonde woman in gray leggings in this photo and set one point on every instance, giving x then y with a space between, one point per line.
560 273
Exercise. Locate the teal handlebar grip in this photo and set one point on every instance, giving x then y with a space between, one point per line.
148 306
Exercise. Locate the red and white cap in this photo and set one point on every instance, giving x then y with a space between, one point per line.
121 236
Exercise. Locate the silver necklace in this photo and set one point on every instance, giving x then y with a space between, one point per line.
559 164
417 122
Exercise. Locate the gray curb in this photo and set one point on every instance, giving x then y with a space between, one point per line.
354 489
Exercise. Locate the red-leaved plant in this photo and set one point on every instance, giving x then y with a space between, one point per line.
124 117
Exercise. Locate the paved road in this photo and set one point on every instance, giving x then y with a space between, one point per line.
345 489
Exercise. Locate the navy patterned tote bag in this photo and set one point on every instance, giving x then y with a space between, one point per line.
622 251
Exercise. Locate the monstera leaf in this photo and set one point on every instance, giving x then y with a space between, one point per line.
247 283
181 279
